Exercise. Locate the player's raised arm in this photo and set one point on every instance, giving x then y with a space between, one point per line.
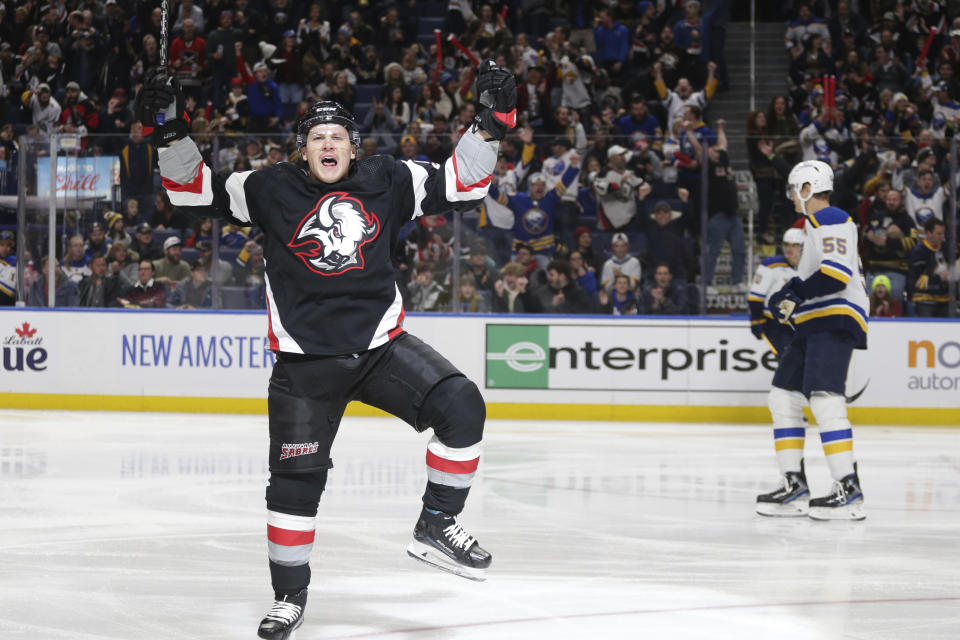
465 176
191 184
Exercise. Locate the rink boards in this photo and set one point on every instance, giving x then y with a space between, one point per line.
528 367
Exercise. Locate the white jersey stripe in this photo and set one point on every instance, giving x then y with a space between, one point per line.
238 199
450 453
289 522
419 177
284 341
389 321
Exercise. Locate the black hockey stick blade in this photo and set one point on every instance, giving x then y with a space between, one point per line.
851 399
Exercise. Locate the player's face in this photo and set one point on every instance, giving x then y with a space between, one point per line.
328 152
797 202
792 253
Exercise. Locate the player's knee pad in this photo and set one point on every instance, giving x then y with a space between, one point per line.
296 493
786 407
455 410
829 409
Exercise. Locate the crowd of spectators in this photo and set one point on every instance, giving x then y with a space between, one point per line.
884 124
602 178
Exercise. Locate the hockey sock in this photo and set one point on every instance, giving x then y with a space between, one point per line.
450 473
289 543
830 410
789 433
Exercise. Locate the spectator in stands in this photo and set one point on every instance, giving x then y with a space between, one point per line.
882 304
97 290
663 296
561 294
925 201
146 292
805 25
846 21
782 126
695 133
512 293
75 264
479 265
928 282
263 95
78 114
202 232
122 265
764 171
613 42
639 123
97 243
665 242
535 210
887 71
683 95
170 269
224 270
426 294
469 300
618 191
115 120
380 125
189 11
165 215
583 243
65 294
621 262
584 274
890 236
723 208
195 292
220 48
137 162
622 298
248 268
144 244
44 108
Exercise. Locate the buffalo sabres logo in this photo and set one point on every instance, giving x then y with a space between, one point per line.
535 221
330 238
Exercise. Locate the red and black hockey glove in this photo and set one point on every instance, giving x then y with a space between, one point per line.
161 108
497 102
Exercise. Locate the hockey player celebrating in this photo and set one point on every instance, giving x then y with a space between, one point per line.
335 314
771 275
826 303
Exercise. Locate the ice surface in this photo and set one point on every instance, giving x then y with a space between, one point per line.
143 526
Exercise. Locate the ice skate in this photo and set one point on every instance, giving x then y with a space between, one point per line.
790 500
844 502
440 541
284 617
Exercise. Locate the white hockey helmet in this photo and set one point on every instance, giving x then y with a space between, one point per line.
793 236
818 174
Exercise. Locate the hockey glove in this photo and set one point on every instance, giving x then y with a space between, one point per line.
497 104
757 330
783 303
161 108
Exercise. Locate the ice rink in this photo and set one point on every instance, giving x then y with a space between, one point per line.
152 526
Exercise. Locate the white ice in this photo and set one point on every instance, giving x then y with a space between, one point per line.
152 526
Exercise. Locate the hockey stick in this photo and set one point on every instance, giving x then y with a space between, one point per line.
161 117
851 399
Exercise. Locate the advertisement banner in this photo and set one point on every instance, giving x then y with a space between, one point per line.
540 367
87 177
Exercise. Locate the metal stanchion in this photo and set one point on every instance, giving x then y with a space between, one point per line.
22 221
704 194
52 225
952 230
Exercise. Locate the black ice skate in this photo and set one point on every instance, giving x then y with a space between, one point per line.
844 502
284 617
440 541
790 500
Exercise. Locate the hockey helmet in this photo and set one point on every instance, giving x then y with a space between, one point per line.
815 172
326 112
793 236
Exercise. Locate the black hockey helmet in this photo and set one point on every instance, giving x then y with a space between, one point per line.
323 112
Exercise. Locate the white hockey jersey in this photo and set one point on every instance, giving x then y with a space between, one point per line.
772 273
830 259
617 196
923 207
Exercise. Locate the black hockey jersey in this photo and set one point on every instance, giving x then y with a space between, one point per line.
330 282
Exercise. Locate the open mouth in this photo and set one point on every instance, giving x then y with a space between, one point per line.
328 161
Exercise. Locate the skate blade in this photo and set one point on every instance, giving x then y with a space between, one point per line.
795 509
427 554
846 512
